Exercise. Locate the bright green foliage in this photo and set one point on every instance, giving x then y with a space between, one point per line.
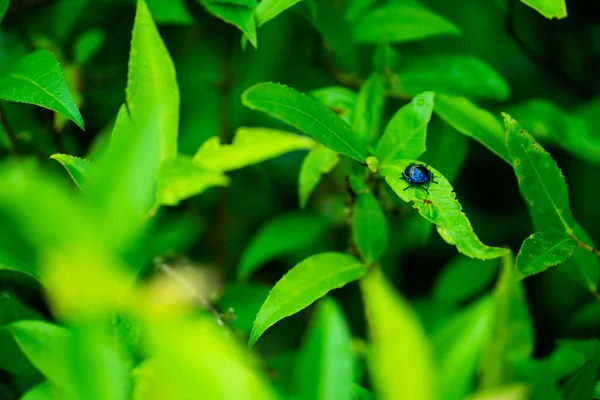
401 363
368 109
236 12
269 9
441 207
549 8
305 114
369 226
78 169
302 285
87 45
399 22
281 236
454 74
250 146
170 12
179 178
472 121
404 136
319 161
583 267
37 79
543 250
325 367
339 99
518 391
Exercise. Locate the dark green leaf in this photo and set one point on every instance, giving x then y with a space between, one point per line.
401 22
269 9
582 384
401 363
405 134
320 160
282 235
441 207
235 13
307 115
369 109
78 169
325 367
3 8
462 278
43 391
37 79
472 121
549 8
447 149
543 250
302 285
170 12
339 99
87 45
244 299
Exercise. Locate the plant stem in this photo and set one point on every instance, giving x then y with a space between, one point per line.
8 131
585 246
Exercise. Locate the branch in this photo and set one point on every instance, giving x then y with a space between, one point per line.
585 246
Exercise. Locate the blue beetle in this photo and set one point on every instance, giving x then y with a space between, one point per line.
418 175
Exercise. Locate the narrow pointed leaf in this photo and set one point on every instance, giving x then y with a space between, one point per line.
475 122
307 115
302 285
319 161
78 169
543 250
405 134
549 8
369 109
541 182
441 207
326 362
269 9
237 13
401 364
250 146
37 79
369 226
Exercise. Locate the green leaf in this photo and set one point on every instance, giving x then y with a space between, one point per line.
452 73
170 12
10 263
541 182
302 285
549 123
237 13
282 235
269 9
319 161
179 178
37 79
472 121
3 8
43 391
462 278
458 345
78 169
405 134
401 22
441 207
339 99
357 7
369 226
87 45
549 8
543 250
584 266
401 363
581 385
305 114
152 92
325 366
250 146
447 149
368 109
515 391
244 299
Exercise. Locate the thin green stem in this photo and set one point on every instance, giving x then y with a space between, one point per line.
585 246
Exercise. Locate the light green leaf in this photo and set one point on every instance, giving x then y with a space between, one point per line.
319 161
584 266
475 122
152 92
250 146
458 345
401 364
441 207
401 22
37 79
543 250
281 235
515 391
238 13
369 226
305 114
179 178
368 109
170 12
326 362
302 285
549 8
541 182
462 278
43 391
269 9
452 73
405 134
339 99
548 122
78 169
87 45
